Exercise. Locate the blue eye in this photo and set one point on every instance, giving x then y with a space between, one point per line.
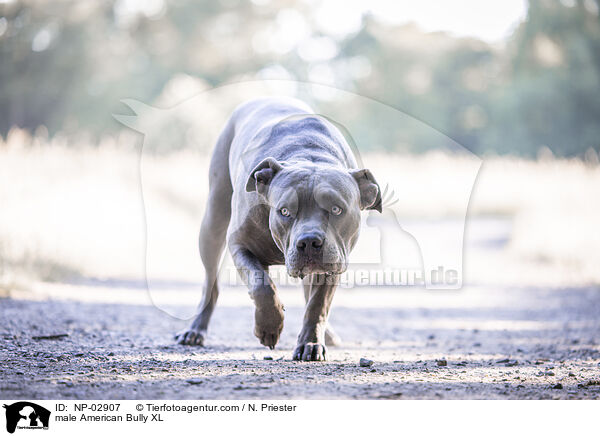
284 211
336 210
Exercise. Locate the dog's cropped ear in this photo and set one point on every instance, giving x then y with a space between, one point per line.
370 193
260 177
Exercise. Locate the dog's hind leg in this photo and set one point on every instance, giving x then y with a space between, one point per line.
212 238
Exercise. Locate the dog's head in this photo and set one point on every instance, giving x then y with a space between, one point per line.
314 211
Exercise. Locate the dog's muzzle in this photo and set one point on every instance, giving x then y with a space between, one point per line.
311 254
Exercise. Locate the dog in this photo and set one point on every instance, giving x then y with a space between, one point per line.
284 189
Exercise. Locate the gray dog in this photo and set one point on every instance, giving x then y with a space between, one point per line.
284 189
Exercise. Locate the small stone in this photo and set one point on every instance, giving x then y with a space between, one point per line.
365 363
267 358
572 374
51 337
513 363
194 381
503 361
557 386
442 362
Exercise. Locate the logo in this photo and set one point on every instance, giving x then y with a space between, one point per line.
406 245
26 415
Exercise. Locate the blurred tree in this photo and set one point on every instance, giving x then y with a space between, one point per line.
67 64
553 96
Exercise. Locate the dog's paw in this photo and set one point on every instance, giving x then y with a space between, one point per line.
331 338
268 325
310 351
190 336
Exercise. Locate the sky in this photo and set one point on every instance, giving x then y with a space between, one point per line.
491 21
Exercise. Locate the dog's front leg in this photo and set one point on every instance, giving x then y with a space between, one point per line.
268 314
311 340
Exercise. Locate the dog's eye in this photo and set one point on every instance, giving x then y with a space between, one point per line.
284 211
336 210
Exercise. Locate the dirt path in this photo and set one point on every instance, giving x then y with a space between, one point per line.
497 344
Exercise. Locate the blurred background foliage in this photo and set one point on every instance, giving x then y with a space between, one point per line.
64 65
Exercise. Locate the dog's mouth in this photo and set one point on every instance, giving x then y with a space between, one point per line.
327 263
307 268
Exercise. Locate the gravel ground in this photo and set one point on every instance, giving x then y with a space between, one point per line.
470 344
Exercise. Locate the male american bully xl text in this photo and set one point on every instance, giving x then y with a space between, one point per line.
284 189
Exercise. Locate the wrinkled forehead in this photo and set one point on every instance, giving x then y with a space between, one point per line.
323 185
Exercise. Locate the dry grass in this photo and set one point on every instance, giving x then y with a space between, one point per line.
78 211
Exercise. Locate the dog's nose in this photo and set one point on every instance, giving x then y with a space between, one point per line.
310 243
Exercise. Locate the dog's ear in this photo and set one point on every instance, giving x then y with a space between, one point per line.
260 177
370 193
